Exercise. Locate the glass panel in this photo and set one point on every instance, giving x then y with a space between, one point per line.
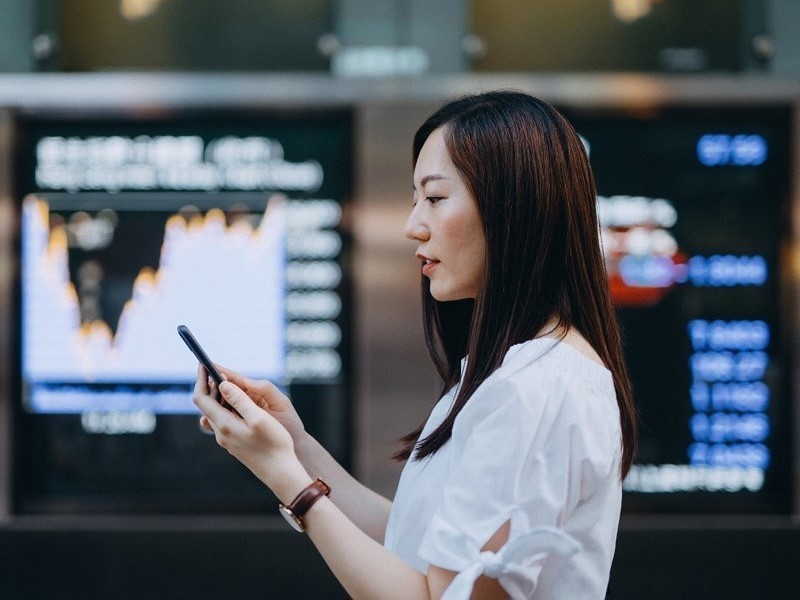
607 35
193 35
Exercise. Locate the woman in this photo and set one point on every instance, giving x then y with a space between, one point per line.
512 487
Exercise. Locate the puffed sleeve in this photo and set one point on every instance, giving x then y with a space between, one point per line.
518 456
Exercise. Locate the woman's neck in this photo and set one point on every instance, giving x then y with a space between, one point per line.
571 337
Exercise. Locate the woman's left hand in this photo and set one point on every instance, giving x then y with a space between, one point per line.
253 436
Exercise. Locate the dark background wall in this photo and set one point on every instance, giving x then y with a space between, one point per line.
261 559
213 557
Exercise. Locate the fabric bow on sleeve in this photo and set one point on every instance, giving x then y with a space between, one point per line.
514 557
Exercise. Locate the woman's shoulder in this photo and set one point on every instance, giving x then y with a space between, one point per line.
546 377
549 364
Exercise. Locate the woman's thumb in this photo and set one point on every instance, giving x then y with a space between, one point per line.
236 398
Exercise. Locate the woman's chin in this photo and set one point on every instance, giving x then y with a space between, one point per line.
440 294
443 294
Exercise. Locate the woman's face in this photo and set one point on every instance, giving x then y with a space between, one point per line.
446 225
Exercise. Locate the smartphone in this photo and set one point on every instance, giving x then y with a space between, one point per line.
198 351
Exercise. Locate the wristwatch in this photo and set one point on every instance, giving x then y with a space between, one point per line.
297 508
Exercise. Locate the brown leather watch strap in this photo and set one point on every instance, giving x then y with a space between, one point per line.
305 499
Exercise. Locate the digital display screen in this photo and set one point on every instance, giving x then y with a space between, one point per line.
693 205
128 229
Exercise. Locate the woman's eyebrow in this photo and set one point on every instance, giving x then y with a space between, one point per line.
427 178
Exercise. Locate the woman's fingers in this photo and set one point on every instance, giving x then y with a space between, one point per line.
215 414
263 392
209 406
201 383
201 390
250 386
236 378
239 400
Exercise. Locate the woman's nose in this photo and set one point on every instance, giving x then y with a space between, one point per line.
414 228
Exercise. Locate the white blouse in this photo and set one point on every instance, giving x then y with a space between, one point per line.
539 444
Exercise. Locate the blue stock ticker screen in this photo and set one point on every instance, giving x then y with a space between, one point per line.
693 205
130 228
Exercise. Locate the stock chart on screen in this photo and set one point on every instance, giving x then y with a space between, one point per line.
129 228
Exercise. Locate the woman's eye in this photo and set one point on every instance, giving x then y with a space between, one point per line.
433 199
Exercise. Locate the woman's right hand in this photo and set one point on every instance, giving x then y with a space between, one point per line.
268 397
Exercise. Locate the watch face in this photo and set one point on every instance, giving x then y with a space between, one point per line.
293 520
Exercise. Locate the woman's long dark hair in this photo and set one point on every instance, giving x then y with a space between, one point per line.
528 171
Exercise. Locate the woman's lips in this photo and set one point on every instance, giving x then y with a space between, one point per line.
428 266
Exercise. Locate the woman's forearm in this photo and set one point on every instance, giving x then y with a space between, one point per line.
362 565
367 509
